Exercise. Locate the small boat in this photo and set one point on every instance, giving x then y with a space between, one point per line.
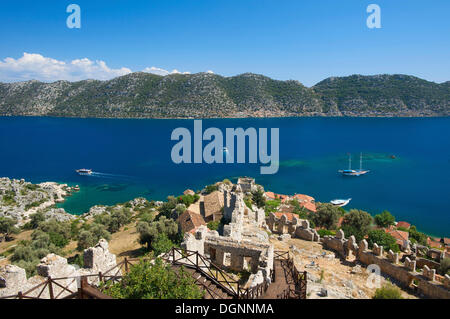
340 202
354 172
84 171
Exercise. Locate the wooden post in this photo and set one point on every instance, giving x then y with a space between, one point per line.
50 287
20 295
100 276
126 265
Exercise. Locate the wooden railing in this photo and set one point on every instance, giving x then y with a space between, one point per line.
299 279
194 260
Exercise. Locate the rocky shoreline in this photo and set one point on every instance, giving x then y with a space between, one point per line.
20 199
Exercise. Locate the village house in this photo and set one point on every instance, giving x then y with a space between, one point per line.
189 221
402 224
401 237
211 207
188 192
306 201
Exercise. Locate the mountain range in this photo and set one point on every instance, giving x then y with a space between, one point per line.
206 95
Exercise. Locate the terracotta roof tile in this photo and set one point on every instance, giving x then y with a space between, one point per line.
190 221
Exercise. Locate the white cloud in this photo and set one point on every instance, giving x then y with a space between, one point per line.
162 72
35 66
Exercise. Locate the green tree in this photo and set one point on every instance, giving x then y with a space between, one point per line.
356 223
327 216
36 219
382 239
258 198
156 280
149 231
417 237
385 219
90 237
8 227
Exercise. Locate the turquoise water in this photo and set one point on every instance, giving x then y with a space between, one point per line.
132 158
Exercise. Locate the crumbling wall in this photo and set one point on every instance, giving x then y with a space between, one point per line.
296 228
13 278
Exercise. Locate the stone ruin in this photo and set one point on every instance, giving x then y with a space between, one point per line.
244 245
97 259
298 228
426 281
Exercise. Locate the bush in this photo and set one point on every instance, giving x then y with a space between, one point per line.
162 244
385 219
388 291
214 225
326 232
167 207
272 205
210 188
154 281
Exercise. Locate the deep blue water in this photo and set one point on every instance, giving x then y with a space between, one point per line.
133 157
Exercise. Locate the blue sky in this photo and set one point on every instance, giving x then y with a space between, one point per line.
284 39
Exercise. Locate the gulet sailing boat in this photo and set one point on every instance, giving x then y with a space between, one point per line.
353 172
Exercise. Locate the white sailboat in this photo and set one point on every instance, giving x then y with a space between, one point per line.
353 172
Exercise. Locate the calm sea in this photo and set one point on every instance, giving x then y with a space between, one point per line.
131 158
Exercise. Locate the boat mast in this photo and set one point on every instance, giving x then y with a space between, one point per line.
360 162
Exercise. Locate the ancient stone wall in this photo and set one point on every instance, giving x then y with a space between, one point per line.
13 278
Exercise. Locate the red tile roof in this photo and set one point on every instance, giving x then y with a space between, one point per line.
190 221
433 243
289 216
447 241
400 236
306 201
272 195
403 225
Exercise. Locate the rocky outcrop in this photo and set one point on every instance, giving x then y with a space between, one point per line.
20 199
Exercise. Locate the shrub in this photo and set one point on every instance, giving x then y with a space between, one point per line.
417 237
272 205
161 244
155 281
213 225
326 232
210 188
388 291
